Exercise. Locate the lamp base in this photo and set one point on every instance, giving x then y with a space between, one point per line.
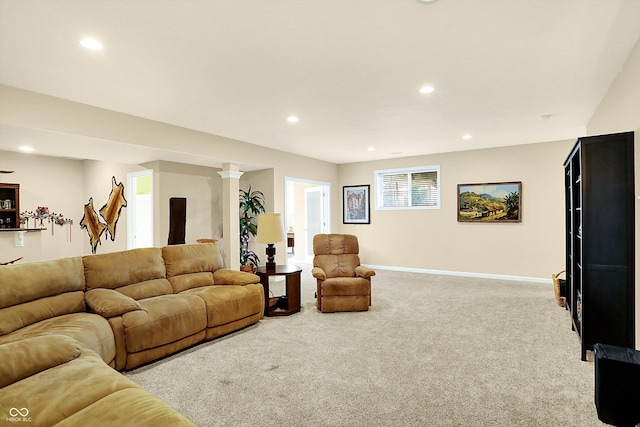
271 253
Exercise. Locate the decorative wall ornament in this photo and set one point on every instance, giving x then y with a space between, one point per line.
355 204
111 210
41 215
91 222
490 202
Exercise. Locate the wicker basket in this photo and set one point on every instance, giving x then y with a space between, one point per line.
272 299
562 301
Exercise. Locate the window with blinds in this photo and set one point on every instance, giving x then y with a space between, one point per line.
409 188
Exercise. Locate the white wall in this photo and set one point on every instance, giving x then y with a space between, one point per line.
201 186
97 178
65 186
435 240
263 180
56 184
619 111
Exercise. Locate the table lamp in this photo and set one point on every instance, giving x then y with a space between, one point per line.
270 231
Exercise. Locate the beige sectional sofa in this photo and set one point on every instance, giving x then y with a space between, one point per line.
65 324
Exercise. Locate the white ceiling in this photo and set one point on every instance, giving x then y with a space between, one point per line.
506 71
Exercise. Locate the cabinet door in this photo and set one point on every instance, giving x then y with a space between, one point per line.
608 241
606 217
9 206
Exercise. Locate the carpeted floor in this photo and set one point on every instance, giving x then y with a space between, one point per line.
432 351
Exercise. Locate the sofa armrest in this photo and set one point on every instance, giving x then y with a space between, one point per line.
110 303
232 277
364 271
27 357
318 273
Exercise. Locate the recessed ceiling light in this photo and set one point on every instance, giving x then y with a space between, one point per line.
467 136
292 119
427 89
26 149
91 44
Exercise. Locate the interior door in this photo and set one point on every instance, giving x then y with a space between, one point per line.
314 211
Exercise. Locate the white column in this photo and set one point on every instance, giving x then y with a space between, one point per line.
230 220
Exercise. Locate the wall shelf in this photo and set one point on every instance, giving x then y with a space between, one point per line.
22 229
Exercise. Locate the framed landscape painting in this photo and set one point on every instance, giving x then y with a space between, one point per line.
491 202
355 204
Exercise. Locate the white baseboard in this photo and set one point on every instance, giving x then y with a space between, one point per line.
454 273
463 273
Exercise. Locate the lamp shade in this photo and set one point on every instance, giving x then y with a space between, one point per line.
270 229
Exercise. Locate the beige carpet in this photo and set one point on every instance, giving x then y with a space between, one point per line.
432 351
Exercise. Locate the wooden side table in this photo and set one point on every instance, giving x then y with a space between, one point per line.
292 289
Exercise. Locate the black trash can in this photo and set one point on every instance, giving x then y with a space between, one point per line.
617 385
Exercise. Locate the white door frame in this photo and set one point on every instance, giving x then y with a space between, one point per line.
326 210
132 208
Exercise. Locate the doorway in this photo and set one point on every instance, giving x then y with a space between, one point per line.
307 214
140 210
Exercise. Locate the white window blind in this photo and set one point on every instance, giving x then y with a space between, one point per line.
409 188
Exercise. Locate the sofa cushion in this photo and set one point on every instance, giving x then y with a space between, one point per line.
336 254
61 391
91 331
338 265
184 259
133 407
346 286
34 291
21 359
190 281
191 266
163 320
233 277
226 304
109 303
25 314
140 273
34 280
147 289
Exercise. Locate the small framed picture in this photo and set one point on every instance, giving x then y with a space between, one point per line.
491 202
355 204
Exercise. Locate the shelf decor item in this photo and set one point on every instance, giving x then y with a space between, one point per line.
42 214
356 204
490 202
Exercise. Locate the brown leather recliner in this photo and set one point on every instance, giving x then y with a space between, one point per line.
343 284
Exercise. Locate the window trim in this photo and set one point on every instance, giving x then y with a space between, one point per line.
377 179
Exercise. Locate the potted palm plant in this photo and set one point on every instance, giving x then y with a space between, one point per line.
251 205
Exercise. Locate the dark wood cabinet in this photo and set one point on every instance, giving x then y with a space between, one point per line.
600 240
9 206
